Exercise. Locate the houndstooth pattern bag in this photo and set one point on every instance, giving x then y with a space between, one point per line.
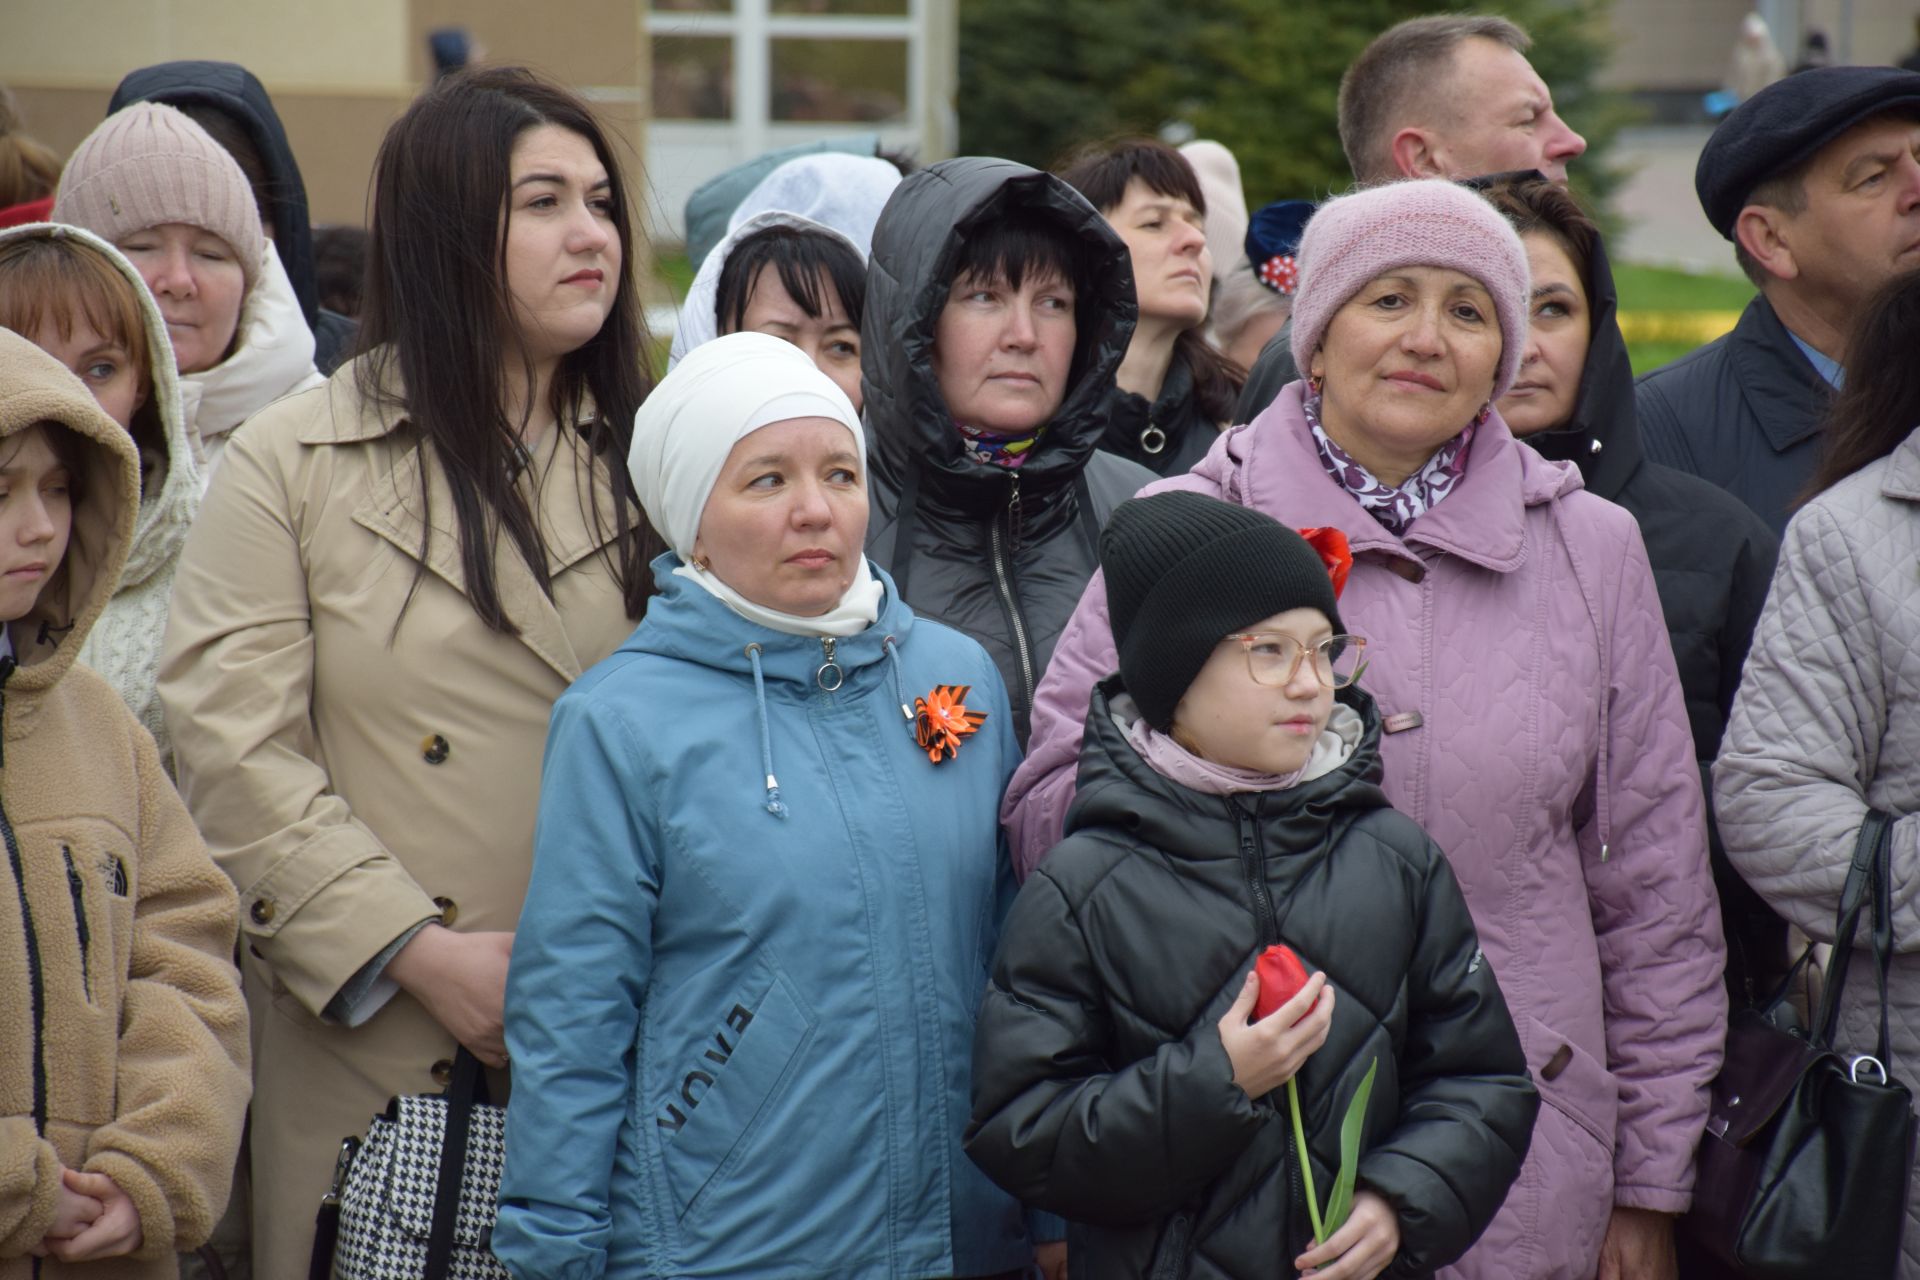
379 1222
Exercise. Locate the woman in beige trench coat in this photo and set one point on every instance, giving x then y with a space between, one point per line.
392 579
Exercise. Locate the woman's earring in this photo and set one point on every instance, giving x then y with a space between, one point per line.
1486 411
701 563
1314 382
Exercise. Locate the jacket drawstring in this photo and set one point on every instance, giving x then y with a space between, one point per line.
775 805
892 647
1603 779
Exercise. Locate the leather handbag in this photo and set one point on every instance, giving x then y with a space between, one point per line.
416 1199
1804 1165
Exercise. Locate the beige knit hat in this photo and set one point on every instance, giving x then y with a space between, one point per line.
149 165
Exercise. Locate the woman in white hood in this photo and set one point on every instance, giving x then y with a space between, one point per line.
793 264
155 185
74 296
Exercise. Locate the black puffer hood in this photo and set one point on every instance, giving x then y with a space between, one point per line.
1603 436
235 90
915 247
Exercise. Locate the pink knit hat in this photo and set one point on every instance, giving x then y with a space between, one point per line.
1429 223
149 164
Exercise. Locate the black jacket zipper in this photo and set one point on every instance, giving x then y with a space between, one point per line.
36 975
1003 548
78 889
1253 864
1174 1248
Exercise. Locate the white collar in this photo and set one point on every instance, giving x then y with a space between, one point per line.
857 609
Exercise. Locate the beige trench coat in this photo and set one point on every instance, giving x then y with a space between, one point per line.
355 781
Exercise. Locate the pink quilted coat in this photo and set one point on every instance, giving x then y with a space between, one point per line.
1535 728
1827 722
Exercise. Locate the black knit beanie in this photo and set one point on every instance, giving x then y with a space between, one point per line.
1184 570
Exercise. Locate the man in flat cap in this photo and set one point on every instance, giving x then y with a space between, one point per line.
1816 180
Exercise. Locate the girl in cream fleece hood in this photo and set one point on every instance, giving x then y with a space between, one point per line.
45 295
123 1035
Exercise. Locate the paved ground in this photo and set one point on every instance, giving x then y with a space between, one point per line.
1664 225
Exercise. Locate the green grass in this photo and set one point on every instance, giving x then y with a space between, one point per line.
1656 289
1663 289
675 272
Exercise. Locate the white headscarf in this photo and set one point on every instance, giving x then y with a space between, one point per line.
838 190
719 395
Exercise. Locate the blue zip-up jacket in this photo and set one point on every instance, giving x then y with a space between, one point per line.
740 1037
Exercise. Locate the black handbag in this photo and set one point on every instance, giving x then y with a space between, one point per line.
416 1199
1803 1168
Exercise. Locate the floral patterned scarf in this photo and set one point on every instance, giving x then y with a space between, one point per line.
997 450
1395 508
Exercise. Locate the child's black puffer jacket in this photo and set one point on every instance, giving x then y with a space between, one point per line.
1101 1090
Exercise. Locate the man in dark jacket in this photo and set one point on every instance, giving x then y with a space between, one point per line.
232 105
1816 181
1444 96
1001 552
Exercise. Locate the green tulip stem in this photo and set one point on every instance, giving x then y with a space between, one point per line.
1306 1165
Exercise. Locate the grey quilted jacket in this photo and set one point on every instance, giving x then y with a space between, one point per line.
1826 723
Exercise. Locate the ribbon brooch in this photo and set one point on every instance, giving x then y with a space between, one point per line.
941 720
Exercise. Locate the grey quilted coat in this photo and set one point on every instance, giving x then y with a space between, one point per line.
1827 722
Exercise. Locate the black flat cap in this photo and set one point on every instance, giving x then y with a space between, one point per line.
1785 123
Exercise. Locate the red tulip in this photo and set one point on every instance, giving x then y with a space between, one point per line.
1281 977
1331 546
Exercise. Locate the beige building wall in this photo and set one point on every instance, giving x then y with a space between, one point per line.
1664 45
339 72
1882 30
1688 44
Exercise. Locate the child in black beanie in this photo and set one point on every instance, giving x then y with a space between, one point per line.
1228 803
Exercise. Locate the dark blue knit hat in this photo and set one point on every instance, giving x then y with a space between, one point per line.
1273 241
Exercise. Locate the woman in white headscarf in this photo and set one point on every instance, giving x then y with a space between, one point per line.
793 263
767 881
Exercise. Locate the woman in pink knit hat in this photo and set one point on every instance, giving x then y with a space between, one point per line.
1532 718
158 188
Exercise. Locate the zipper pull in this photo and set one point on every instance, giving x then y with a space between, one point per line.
829 676
1013 511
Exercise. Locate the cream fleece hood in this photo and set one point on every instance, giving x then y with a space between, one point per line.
35 388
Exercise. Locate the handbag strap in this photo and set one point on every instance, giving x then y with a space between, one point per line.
1883 933
1861 886
467 1082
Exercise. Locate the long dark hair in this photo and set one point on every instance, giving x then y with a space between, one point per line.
436 330
1880 404
1101 173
